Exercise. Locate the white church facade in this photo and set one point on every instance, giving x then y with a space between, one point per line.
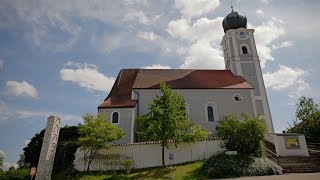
209 94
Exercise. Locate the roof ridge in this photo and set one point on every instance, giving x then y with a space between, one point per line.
139 74
176 69
120 73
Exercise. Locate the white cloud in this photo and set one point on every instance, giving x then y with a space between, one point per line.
87 76
8 112
288 79
140 16
202 28
26 142
265 35
148 36
283 44
21 88
192 8
203 56
154 42
200 51
109 42
266 1
7 165
156 66
1 63
259 11
2 153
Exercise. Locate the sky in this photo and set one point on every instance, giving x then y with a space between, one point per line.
61 57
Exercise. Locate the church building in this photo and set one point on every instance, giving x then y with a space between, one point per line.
209 94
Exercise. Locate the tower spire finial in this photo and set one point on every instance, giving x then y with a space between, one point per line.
231 7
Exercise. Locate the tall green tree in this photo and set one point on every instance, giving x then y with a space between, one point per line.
307 120
168 121
66 147
96 134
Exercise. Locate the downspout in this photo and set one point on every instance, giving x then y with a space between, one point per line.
137 101
137 112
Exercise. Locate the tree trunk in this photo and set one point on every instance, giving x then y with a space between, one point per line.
163 163
89 162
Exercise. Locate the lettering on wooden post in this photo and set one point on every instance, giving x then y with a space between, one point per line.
48 149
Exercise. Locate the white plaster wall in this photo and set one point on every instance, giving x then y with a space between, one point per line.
149 155
281 150
197 100
125 121
269 138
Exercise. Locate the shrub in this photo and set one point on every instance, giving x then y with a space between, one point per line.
245 137
225 166
15 174
127 165
263 166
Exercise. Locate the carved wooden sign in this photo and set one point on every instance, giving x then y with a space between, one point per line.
48 149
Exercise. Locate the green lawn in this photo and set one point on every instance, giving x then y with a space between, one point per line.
184 171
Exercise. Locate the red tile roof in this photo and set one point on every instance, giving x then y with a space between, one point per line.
120 94
128 79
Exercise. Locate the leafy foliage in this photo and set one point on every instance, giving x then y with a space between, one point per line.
127 165
225 166
96 134
16 174
1 161
33 149
307 109
141 126
263 166
245 137
66 148
310 129
168 121
309 112
21 163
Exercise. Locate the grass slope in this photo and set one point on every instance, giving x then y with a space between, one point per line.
183 171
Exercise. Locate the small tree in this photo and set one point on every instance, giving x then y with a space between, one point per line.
168 121
246 137
307 109
96 134
307 120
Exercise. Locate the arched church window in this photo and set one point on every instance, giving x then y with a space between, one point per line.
115 118
244 50
210 113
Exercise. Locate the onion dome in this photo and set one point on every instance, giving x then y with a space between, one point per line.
234 20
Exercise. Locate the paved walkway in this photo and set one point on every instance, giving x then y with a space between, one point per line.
294 176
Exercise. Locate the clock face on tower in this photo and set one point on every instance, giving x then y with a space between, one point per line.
242 35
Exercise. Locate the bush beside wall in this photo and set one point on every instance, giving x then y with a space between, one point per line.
225 166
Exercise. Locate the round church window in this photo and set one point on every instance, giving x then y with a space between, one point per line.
237 97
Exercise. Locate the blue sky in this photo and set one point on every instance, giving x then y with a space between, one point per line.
61 57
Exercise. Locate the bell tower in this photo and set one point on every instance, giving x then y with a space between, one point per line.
241 58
